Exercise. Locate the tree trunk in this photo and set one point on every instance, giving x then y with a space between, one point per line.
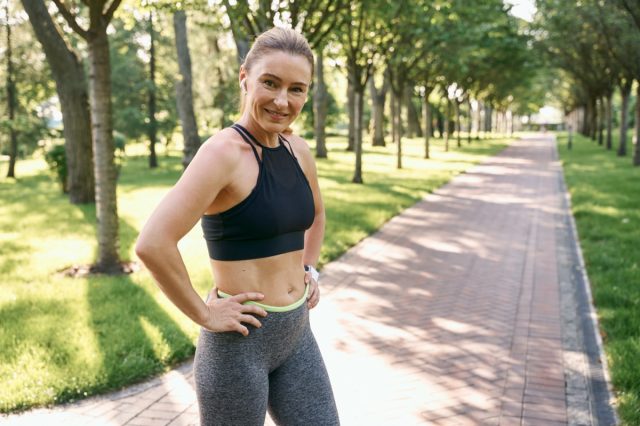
636 147
512 123
357 107
586 120
446 124
426 108
399 128
352 113
378 100
320 106
103 148
240 38
71 85
469 120
601 115
625 91
487 119
458 128
221 97
394 117
153 124
413 121
440 122
593 121
609 108
479 119
11 102
184 94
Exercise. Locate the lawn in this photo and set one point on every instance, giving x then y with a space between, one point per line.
66 338
605 197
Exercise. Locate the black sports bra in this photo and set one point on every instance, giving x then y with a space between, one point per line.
273 218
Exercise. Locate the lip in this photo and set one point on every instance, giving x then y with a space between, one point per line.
276 116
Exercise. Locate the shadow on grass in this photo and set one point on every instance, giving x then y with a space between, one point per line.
136 336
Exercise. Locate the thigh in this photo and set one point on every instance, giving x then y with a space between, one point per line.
231 384
300 391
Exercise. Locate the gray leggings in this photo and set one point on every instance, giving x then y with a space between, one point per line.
276 367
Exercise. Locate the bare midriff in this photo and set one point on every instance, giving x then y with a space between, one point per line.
280 278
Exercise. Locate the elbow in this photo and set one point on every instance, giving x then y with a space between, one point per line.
146 247
142 249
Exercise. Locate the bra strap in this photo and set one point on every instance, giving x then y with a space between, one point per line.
240 129
249 134
282 138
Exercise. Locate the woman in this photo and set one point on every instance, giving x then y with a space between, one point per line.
257 194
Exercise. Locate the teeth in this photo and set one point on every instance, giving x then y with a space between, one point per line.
276 113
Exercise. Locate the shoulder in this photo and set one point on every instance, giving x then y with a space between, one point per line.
218 156
224 145
300 146
225 148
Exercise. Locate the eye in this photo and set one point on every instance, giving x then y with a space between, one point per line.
298 89
269 83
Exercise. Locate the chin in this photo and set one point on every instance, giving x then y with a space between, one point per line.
272 127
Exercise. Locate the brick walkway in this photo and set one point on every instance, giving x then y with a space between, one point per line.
463 310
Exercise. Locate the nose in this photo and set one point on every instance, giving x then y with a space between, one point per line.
281 99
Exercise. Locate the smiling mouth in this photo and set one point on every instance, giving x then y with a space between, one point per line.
279 114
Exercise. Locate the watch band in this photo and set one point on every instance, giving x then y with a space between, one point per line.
314 272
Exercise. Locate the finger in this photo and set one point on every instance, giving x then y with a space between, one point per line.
314 301
307 277
213 295
253 309
241 329
243 297
313 287
250 319
315 298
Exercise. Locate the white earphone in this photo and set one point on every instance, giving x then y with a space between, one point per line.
243 84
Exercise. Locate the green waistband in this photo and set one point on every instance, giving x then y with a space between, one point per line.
271 308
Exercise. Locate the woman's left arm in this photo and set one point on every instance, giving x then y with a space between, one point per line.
313 236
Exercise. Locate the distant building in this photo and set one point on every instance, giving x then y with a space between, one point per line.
548 117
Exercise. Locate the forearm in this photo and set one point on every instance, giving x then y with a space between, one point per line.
167 268
313 238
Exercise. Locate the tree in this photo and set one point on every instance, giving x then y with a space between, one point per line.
11 100
378 100
102 128
320 95
184 93
620 26
153 122
360 43
71 85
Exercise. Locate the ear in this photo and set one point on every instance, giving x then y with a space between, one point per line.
242 77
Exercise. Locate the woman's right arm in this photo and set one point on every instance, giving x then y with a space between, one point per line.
157 247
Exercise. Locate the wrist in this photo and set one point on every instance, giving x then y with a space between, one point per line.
313 271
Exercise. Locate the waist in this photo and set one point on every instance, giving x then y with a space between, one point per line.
273 308
280 278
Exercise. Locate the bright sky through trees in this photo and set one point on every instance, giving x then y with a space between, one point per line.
522 8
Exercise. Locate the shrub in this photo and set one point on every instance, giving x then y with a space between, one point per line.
57 161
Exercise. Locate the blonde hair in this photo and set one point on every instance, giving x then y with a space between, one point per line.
277 39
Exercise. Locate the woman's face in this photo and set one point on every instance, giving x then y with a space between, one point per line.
277 87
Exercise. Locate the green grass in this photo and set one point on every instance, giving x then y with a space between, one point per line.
605 196
63 338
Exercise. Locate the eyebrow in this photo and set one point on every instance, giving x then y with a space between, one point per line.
279 79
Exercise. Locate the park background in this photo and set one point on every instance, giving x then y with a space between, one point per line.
406 95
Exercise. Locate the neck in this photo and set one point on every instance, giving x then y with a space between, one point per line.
266 138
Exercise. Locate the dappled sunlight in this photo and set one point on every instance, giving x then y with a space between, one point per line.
456 326
426 310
